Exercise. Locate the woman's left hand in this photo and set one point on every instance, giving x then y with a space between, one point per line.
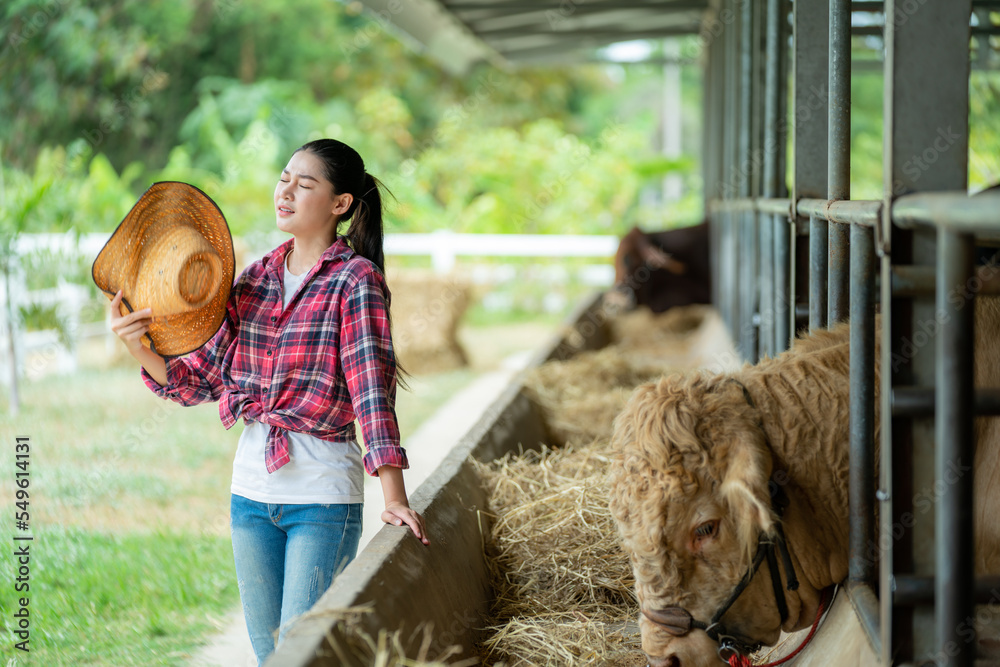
397 514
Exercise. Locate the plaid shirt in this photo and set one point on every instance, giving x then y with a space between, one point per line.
312 367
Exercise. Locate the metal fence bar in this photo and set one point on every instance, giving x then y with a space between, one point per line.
819 258
954 211
926 59
955 449
773 206
919 401
765 238
811 65
856 212
780 206
861 569
911 591
730 166
838 304
839 156
747 233
774 173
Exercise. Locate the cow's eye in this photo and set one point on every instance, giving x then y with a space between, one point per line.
706 529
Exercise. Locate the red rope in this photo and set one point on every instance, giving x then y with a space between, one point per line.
739 660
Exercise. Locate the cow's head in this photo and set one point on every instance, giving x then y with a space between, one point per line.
689 492
636 259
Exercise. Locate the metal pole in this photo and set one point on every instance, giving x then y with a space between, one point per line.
953 585
862 381
734 123
811 73
819 258
839 155
774 231
925 129
838 304
745 172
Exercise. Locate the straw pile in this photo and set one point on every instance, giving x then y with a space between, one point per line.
426 311
353 645
581 396
564 587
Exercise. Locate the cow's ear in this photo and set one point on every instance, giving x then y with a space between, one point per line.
745 489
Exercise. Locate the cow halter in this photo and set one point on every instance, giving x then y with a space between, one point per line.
678 621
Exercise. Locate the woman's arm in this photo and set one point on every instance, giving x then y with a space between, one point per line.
196 378
397 508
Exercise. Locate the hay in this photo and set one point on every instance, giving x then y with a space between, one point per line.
564 589
351 644
426 311
580 397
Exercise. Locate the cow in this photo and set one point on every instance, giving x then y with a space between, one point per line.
708 469
663 269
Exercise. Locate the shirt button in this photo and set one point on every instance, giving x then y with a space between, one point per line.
274 319
265 390
269 353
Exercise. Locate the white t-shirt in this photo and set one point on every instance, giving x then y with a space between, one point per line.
318 471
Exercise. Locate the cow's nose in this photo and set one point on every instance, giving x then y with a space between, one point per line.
667 661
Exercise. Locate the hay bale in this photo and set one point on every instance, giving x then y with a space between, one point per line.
581 396
564 588
426 311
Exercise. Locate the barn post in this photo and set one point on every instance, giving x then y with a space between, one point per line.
926 97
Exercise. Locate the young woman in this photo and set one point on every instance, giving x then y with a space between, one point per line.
305 350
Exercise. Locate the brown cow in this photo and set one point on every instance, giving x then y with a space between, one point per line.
695 460
663 269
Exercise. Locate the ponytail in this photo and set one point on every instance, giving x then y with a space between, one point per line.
365 232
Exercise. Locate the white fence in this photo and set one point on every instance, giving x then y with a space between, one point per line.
41 352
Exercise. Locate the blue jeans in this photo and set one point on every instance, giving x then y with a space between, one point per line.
286 557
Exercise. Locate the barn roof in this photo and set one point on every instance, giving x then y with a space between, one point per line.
460 33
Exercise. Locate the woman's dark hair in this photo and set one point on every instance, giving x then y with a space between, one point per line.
345 169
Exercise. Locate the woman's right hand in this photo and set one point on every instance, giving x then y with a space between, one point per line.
132 327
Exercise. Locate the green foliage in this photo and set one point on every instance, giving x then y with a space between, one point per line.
38 317
984 130
46 268
539 180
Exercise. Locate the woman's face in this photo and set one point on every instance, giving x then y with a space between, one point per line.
304 201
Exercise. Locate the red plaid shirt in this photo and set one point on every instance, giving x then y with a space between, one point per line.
312 367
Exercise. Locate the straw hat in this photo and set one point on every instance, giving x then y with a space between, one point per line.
173 253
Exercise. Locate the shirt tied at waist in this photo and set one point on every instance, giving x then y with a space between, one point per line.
276 451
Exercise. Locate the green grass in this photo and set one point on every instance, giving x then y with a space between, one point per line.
129 510
131 599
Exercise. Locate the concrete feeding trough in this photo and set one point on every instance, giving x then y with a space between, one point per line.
445 586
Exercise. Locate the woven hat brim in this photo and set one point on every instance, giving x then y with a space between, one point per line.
164 203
